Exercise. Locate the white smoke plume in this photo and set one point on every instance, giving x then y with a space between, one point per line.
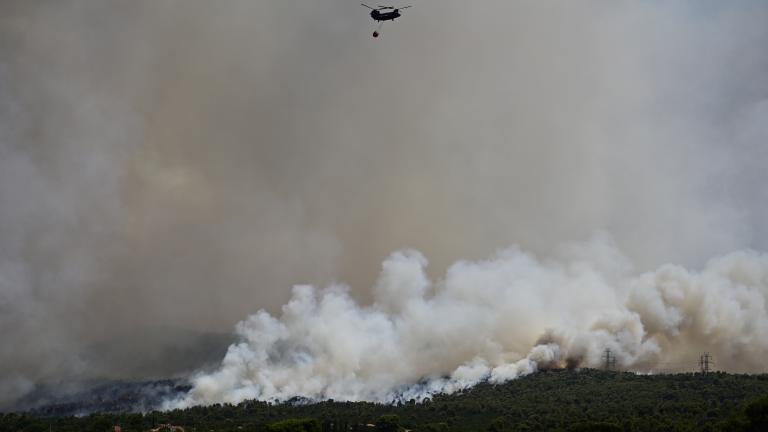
495 320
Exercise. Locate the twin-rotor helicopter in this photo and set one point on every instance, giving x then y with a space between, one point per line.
382 14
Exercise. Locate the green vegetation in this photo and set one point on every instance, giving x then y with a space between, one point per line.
557 400
295 425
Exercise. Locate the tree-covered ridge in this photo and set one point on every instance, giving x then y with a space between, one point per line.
551 400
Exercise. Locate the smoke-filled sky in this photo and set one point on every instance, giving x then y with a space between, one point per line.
169 167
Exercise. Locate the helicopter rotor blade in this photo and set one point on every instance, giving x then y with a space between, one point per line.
363 4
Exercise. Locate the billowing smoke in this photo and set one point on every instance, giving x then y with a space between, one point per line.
169 167
495 320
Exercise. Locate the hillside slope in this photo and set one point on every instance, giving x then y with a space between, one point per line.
549 400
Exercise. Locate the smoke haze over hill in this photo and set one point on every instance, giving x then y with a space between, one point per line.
495 320
167 168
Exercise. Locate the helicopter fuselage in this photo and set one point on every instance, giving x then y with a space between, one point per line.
385 16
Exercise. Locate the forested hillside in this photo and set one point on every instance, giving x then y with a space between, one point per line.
552 400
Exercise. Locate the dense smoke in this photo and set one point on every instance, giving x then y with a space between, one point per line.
169 167
482 320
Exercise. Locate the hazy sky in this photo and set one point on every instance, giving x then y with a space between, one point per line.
169 166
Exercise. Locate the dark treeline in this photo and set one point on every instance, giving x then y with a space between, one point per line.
557 400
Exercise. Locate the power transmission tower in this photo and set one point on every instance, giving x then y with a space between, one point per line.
609 359
705 361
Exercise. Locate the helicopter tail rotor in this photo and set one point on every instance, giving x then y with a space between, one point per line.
381 7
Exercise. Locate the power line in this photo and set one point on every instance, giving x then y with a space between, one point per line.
705 361
609 359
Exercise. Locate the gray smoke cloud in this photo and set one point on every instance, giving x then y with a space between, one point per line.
169 167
